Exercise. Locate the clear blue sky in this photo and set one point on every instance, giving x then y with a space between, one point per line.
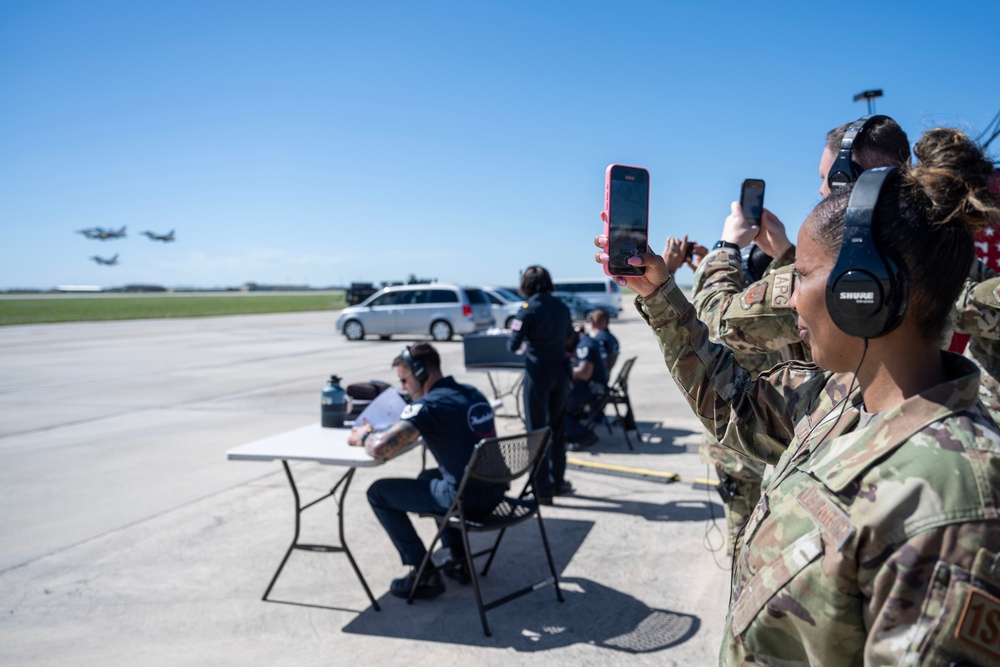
325 142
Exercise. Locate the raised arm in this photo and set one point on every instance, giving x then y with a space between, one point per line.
757 318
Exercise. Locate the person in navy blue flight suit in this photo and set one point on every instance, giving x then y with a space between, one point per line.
544 326
451 418
590 383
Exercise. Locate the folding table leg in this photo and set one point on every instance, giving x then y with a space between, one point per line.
342 484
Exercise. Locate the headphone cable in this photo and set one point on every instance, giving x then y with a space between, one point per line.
842 404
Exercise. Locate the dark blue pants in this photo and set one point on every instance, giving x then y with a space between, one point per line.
580 397
545 396
392 498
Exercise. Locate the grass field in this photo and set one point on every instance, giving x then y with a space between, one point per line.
85 308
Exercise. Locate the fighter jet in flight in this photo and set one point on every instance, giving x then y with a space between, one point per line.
112 234
166 238
101 233
110 261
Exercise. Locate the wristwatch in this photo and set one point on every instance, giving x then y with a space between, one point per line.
364 436
726 244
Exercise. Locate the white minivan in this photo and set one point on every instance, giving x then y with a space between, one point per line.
603 292
438 309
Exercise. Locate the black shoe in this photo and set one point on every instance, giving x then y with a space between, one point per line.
573 446
430 585
564 488
457 569
543 500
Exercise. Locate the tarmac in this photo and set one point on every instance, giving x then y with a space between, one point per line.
127 537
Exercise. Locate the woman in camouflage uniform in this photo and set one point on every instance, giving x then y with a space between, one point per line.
876 540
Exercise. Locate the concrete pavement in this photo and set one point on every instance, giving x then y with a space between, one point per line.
127 538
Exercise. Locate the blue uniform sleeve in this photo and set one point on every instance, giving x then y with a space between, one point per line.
518 329
418 415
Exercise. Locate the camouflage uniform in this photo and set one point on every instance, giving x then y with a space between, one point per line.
760 318
870 545
976 312
718 278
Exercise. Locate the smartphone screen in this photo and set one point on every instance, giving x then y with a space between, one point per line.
627 204
752 200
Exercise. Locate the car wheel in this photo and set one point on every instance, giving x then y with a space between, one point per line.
441 331
353 330
510 320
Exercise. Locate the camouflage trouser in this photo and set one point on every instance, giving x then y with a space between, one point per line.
744 479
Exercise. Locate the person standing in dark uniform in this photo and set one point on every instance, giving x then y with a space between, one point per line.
544 325
451 418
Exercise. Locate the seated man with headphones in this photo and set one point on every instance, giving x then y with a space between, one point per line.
451 418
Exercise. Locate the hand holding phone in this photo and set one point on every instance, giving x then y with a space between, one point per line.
752 201
626 225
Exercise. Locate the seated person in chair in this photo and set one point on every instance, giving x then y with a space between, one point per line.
451 418
604 338
590 385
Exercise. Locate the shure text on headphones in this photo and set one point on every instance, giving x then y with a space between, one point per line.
858 297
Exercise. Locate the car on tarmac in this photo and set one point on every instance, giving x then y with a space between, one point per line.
505 304
603 293
580 308
438 309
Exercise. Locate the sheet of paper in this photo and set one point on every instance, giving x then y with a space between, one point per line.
383 411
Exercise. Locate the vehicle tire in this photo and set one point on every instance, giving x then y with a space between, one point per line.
353 330
441 331
510 320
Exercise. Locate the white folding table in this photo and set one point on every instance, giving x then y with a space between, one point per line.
320 445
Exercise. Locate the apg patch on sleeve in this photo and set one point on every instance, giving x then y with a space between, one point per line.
979 624
515 325
781 294
753 295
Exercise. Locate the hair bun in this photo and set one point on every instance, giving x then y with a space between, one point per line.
954 177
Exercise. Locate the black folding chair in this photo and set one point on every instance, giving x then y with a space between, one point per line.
618 395
497 461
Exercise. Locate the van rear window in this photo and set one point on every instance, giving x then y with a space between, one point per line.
477 295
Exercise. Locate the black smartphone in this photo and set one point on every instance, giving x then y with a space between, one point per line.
752 200
626 202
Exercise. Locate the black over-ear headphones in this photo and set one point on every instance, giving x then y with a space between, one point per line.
867 291
845 170
419 370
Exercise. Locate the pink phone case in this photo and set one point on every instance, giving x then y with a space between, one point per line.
607 209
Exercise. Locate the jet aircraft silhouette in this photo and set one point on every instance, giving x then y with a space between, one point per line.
110 261
101 233
166 238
